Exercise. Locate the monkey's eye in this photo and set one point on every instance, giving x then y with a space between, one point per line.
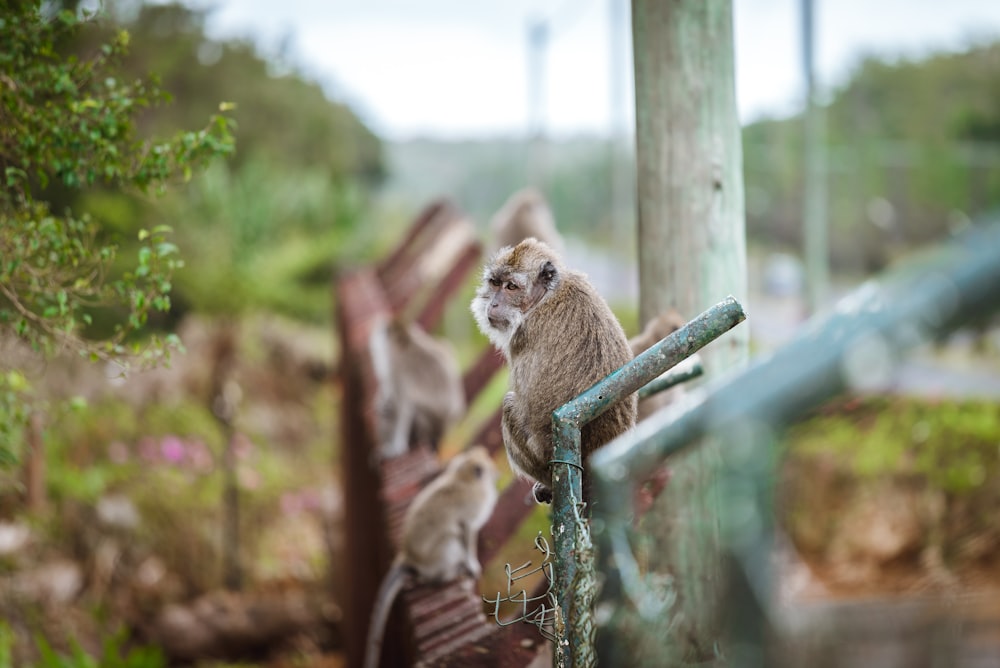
511 285
496 282
477 471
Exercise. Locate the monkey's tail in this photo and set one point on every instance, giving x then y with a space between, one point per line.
391 585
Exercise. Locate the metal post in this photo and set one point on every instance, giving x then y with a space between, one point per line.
568 420
814 215
866 334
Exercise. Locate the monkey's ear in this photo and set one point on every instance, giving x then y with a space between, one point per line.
546 278
547 274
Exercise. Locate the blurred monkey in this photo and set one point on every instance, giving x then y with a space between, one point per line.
440 530
420 393
525 214
663 325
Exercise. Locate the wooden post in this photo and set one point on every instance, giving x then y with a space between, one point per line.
692 253
223 400
34 466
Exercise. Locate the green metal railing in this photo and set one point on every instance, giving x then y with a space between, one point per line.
856 346
574 584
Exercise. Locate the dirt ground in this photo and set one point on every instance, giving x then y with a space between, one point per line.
82 575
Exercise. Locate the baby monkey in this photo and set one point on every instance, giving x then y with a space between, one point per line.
440 529
559 337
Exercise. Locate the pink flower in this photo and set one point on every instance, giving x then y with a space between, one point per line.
172 449
309 499
199 457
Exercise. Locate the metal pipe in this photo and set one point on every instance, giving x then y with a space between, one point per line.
670 379
858 346
569 419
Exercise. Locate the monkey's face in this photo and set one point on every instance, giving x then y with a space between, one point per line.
476 464
513 283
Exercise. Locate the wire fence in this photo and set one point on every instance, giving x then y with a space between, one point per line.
602 606
865 335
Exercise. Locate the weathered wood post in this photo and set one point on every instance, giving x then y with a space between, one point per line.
692 252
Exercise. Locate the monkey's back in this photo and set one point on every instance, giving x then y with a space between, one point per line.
432 378
432 540
582 343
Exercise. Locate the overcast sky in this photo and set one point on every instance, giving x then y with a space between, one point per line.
459 68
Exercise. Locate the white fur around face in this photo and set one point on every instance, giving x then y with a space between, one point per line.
500 338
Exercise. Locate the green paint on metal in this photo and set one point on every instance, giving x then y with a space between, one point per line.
670 379
569 419
854 347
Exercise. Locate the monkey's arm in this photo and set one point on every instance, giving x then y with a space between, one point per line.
471 555
515 436
399 442
525 455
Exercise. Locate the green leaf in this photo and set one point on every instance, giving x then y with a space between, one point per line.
166 248
16 381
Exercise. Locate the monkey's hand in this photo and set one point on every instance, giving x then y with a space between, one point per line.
541 493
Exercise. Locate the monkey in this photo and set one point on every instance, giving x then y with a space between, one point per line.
524 214
559 337
664 324
420 393
661 326
440 529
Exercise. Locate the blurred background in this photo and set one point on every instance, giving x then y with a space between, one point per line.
349 119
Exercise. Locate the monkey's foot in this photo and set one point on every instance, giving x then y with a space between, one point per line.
541 493
473 570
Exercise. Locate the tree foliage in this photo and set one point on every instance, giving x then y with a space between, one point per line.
68 122
913 148
283 116
263 229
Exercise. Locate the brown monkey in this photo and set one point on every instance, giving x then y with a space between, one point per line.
559 337
525 214
420 390
440 529
661 326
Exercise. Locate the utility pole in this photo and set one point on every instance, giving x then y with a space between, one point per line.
620 182
538 42
814 211
692 254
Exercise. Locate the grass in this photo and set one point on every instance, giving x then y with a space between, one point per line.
953 445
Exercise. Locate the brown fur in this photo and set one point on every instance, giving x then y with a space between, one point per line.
525 214
420 393
439 535
663 325
559 337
